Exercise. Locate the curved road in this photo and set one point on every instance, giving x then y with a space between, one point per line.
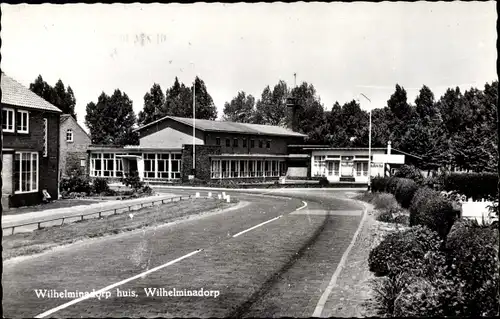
269 256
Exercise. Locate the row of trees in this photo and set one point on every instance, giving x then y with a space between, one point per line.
457 129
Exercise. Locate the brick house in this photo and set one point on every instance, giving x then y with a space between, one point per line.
73 144
30 150
223 150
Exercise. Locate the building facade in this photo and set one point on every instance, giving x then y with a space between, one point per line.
223 150
30 150
73 145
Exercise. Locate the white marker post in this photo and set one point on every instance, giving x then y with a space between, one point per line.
228 198
209 194
219 196
197 194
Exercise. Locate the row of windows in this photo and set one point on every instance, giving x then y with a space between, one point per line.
244 142
332 168
15 121
246 168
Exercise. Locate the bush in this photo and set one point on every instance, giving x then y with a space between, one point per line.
472 254
402 220
384 201
100 185
392 184
474 185
405 190
379 184
385 215
410 172
415 250
385 292
428 208
133 181
324 181
75 184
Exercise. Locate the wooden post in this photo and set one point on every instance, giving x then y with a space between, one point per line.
13 230
62 222
39 225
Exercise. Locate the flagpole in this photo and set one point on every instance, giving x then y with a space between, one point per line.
369 144
194 127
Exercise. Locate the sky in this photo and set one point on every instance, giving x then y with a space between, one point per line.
343 49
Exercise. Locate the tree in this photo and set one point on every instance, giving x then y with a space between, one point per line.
271 108
310 113
402 114
111 120
179 101
154 102
425 106
59 96
240 109
452 111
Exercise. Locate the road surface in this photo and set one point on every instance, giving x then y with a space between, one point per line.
270 256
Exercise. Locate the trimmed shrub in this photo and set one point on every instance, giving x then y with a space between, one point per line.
385 292
472 254
379 184
75 184
428 208
384 201
100 185
133 181
405 190
410 172
415 250
392 184
474 185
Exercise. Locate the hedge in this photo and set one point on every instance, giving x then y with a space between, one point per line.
407 251
392 184
474 185
472 254
405 190
410 172
379 184
428 208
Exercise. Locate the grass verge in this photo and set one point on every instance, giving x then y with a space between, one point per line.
22 244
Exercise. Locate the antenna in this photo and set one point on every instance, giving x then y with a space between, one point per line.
295 80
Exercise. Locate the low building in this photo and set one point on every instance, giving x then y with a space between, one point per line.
223 150
30 150
351 164
73 145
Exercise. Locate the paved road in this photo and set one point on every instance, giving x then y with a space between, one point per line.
280 268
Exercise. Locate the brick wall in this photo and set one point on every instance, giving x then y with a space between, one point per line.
70 153
279 144
203 153
33 142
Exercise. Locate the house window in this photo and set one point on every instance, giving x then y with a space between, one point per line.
260 143
105 165
268 144
244 142
215 171
69 135
7 120
320 165
228 142
83 163
163 160
235 142
252 143
26 172
22 122
217 141
362 168
150 165
176 165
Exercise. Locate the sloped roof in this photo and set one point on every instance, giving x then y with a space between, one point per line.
231 127
14 93
64 117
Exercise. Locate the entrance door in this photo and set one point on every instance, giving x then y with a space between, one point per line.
347 166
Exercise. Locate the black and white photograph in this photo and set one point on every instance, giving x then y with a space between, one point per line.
265 160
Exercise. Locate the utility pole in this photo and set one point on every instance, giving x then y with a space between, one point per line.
369 145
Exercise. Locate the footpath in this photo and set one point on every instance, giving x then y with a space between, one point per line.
74 212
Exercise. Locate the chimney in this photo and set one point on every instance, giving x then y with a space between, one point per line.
389 148
291 106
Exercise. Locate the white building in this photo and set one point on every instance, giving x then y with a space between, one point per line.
350 164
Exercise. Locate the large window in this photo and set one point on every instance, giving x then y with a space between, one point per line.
362 168
215 171
162 160
7 120
105 165
22 121
176 165
233 168
150 165
320 165
26 172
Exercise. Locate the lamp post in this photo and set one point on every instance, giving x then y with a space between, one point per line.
369 144
194 126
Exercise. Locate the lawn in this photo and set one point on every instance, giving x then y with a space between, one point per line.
22 244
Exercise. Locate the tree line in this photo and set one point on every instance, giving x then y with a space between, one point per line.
458 129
